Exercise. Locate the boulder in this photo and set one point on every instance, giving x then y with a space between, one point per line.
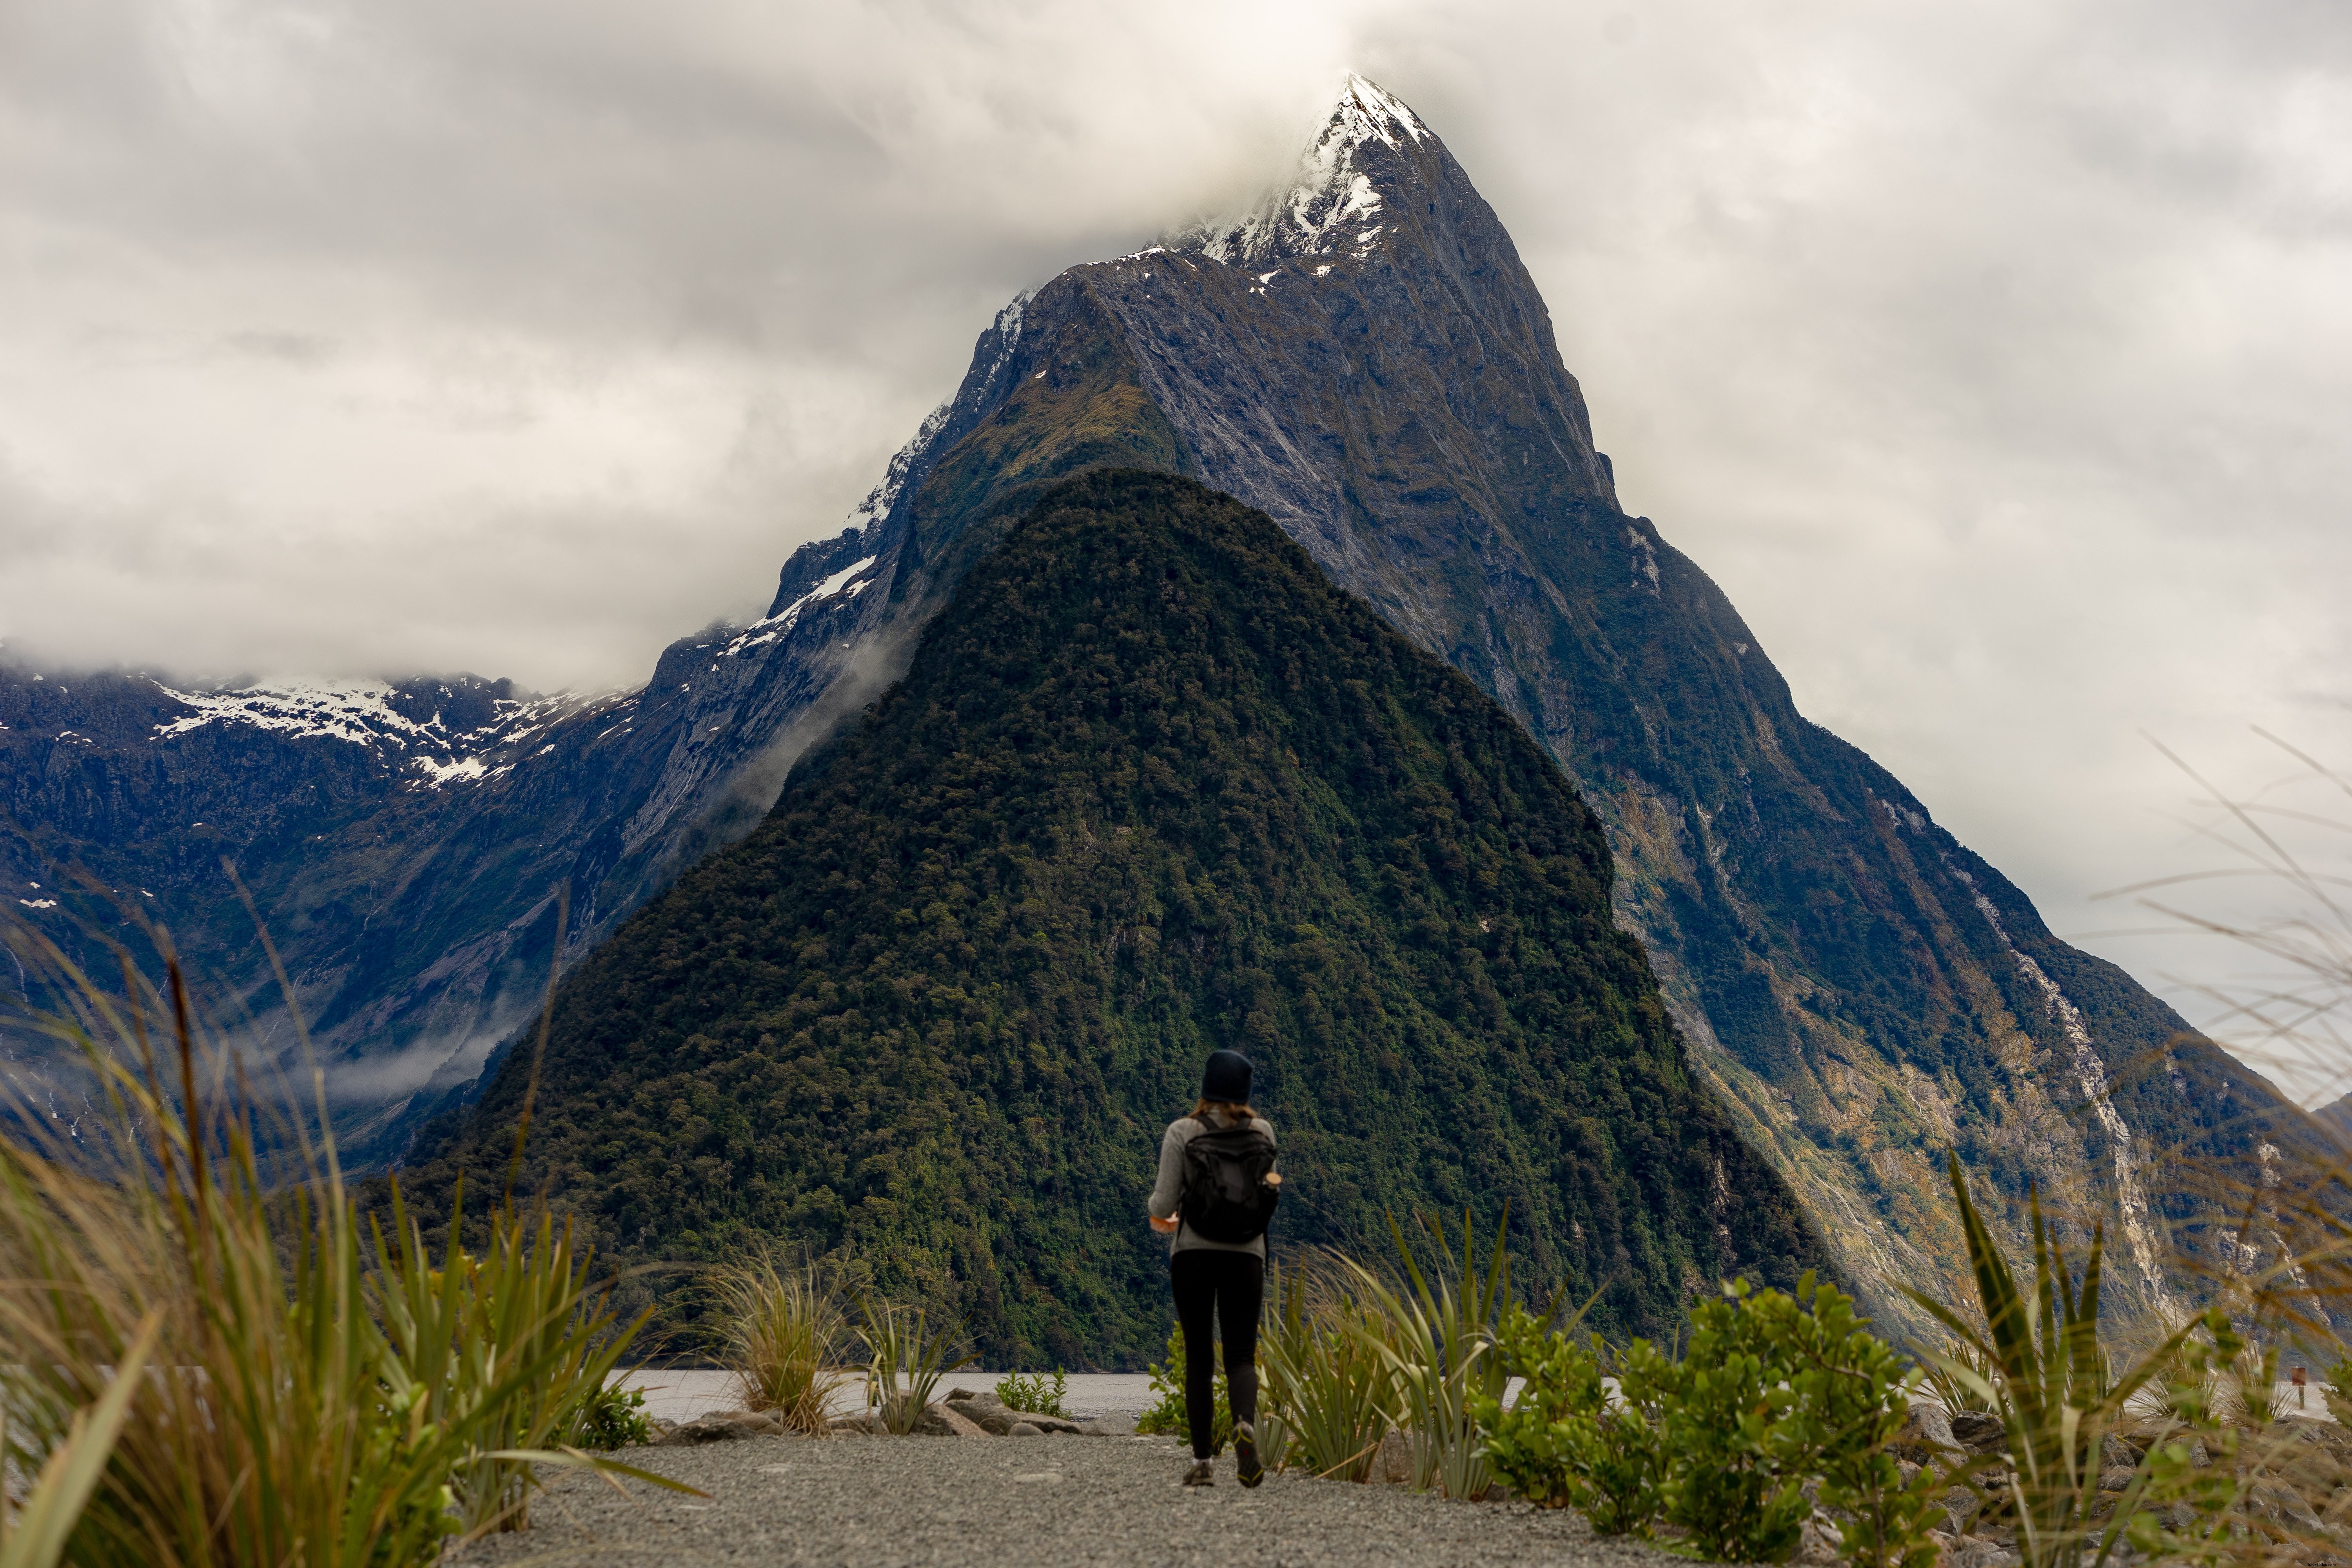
1393 1463
1978 1432
931 1423
1820 1545
723 1427
957 1424
1049 1424
989 1417
1023 1429
1925 1436
1980 1551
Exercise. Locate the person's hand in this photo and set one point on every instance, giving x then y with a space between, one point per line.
1164 1226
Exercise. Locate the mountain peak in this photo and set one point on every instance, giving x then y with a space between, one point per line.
1340 186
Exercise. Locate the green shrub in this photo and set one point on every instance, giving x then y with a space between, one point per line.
1167 1414
1736 1461
1565 1443
612 1417
1034 1394
1853 1394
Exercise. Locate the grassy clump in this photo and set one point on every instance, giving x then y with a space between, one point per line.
784 1333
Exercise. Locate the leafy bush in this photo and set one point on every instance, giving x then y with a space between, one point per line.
612 1417
1565 1443
1738 1453
1168 1414
1034 1394
1852 1395
785 1330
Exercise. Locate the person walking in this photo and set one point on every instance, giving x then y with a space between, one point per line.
1216 1191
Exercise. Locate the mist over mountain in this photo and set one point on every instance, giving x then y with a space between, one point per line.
1363 359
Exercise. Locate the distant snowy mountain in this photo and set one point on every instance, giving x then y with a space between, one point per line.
405 838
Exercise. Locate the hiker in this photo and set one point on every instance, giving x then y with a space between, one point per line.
1216 1191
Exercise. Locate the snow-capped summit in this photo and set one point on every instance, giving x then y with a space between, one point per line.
1335 198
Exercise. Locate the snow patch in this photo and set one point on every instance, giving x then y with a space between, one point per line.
460 769
1328 189
359 713
767 631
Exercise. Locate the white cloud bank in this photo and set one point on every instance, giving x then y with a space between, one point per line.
1995 357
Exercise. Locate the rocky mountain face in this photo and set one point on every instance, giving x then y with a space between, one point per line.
1151 785
1365 360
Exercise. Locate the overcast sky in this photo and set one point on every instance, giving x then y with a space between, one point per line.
1995 357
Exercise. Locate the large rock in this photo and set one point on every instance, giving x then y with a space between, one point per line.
723 1427
957 1423
990 1417
1979 1433
1925 1436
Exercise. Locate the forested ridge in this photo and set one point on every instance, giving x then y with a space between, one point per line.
1151 785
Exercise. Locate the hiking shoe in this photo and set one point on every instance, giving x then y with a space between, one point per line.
1202 1473
1247 1469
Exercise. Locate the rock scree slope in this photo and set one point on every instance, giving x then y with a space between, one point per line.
1151 785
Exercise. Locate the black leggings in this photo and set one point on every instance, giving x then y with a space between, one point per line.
1231 1284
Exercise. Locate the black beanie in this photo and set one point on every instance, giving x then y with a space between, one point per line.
1226 1077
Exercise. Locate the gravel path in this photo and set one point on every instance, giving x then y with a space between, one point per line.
945 1502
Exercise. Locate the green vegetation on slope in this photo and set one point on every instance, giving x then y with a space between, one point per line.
1151 785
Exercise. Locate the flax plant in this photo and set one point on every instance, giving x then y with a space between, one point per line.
907 1357
1438 1340
783 1330
2048 1377
279 1424
512 1344
1327 1387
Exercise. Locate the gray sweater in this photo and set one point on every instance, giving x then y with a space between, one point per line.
1168 1192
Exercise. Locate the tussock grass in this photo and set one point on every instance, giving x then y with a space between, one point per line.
784 1331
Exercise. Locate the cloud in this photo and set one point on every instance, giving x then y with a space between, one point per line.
1994 357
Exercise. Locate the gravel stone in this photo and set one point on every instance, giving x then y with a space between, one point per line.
904 1503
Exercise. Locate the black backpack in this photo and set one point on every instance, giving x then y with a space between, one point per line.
1226 1195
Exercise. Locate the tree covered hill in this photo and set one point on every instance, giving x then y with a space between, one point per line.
1151 785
